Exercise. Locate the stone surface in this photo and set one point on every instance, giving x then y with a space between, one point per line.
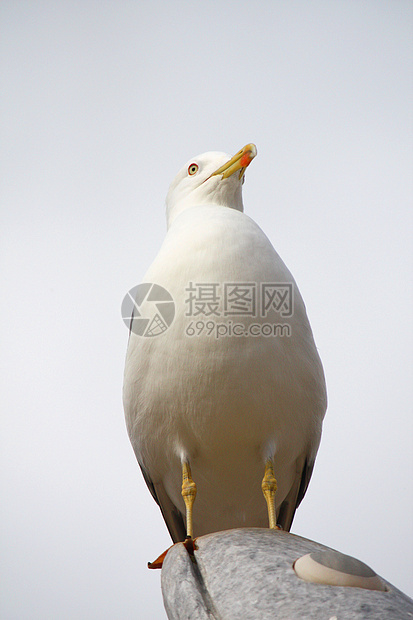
336 569
247 574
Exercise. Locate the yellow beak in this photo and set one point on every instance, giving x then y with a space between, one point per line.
239 162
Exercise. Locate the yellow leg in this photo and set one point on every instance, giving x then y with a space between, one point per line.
269 487
188 493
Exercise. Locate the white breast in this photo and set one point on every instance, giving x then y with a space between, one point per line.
225 403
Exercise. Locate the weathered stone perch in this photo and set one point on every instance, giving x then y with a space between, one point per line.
248 574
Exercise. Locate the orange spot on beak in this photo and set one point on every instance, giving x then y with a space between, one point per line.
246 159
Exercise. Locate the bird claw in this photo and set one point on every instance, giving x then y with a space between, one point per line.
190 546
159 560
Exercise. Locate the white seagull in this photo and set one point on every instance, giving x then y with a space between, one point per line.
234 387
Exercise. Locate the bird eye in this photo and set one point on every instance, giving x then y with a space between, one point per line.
193 169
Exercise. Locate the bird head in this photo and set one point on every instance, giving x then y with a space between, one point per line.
212 178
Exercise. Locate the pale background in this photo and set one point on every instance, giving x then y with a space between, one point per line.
102 102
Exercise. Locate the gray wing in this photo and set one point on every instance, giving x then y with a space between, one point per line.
292 501
173 517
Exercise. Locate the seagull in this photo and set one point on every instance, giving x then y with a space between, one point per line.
226 402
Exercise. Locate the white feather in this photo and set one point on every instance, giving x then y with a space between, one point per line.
225 404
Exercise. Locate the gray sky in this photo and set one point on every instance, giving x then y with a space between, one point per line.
102 102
